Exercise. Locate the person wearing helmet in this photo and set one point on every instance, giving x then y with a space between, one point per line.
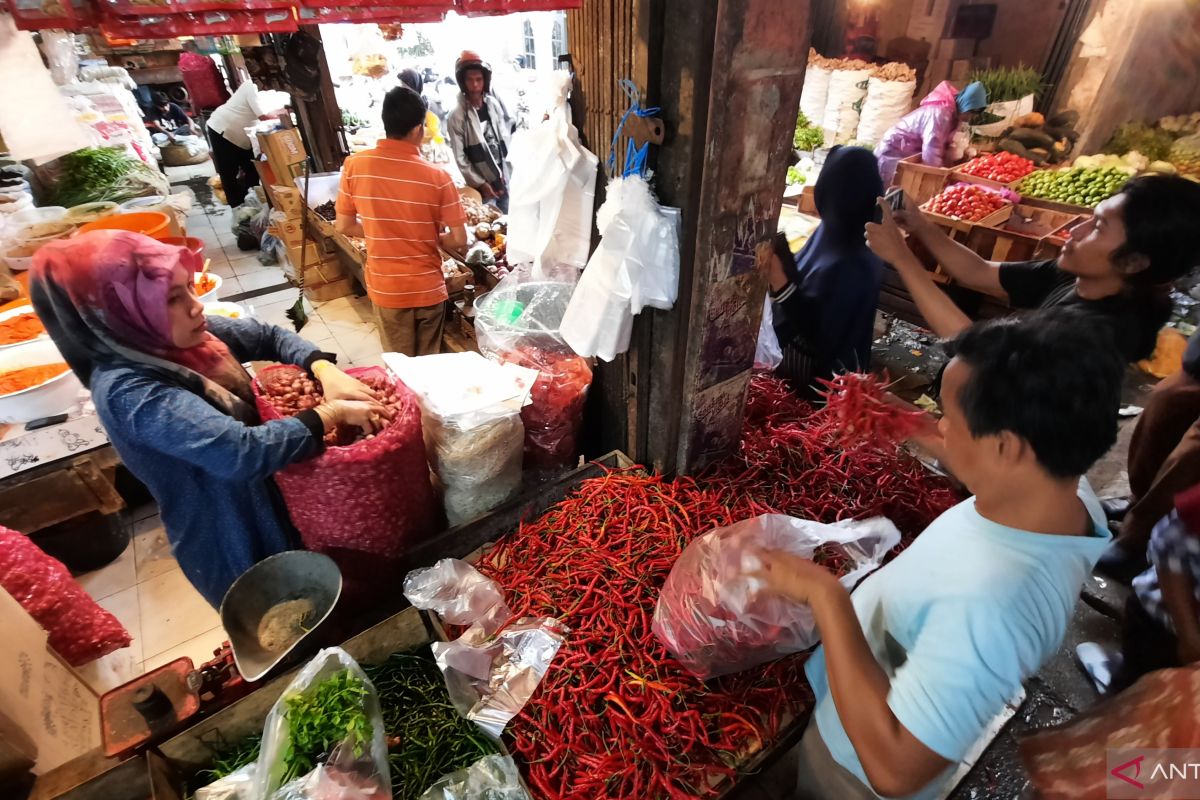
479 128
928 129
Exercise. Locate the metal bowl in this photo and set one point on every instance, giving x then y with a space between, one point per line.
292 575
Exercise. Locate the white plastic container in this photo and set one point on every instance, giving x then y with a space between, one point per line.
211 295
46 399
36 216
16 312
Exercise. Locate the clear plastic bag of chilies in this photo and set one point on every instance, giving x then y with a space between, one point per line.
329 707
716 618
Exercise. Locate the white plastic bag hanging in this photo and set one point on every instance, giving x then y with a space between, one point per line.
717 619
768 354
636 265
492 670
553 189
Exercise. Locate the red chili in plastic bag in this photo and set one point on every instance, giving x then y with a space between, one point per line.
80 629
370 495
552 420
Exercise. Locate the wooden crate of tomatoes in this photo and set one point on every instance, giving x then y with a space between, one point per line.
994 169
961 206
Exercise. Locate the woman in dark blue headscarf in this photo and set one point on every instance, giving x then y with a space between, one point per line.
824 297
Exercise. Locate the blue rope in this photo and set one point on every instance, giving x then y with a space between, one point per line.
635 157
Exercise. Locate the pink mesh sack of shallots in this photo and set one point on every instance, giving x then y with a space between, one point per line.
369 495
79 629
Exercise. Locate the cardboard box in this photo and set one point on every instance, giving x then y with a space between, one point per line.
288 200
329 291
323 272
58 713
284 151
291 232
311 254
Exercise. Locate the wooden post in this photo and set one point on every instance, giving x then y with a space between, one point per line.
729 86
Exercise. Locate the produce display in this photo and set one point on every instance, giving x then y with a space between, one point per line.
364 494
617 717
320 719
1041 140
21 328
18 380
1001 166
1080 186
807 137
96 174
553 419
426 736
1005 84
965 201
1185 155
479 213
326 210
1153 142
79 629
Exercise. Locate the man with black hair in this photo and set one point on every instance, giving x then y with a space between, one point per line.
927 650
169 118
1117 266
406 208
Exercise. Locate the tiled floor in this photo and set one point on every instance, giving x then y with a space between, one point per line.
145 588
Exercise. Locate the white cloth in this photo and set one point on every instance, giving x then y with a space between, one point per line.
239 112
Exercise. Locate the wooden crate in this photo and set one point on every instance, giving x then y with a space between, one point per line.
960 228
919 181
806 202
1051 205
1029 233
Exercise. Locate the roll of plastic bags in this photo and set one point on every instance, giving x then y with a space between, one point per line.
636 265
887 102
553 190
717 618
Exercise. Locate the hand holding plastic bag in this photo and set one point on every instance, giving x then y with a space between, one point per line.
494 668
768 354
717 618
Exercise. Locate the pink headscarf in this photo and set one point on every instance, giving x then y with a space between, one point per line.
117 284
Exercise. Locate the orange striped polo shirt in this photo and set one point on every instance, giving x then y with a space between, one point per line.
403 202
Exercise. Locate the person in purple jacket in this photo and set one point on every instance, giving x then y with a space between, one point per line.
928 129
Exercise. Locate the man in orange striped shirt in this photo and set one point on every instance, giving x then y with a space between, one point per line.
404 207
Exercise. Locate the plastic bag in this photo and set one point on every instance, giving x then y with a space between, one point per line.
236 785
372 496
366 760
636 265
553 188
494 668
491 777
717 619
473 433
768 354
518 322
887 102
79 629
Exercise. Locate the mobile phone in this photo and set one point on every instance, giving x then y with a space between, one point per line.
46 422
894 197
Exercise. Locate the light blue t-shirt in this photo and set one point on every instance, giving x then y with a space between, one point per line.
958 621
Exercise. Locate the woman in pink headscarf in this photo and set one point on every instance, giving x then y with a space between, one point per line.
170 389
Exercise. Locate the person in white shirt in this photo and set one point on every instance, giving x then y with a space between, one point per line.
232 152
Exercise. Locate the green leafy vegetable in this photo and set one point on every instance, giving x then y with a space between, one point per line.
321 718
96 174
808 137
794 176
1153 143
1004 84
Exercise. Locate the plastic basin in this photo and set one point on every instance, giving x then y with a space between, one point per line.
46 399
154 224
192 243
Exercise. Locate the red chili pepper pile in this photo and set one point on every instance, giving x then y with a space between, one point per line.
858 407
615 715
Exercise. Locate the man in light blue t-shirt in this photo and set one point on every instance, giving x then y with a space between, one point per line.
928 649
